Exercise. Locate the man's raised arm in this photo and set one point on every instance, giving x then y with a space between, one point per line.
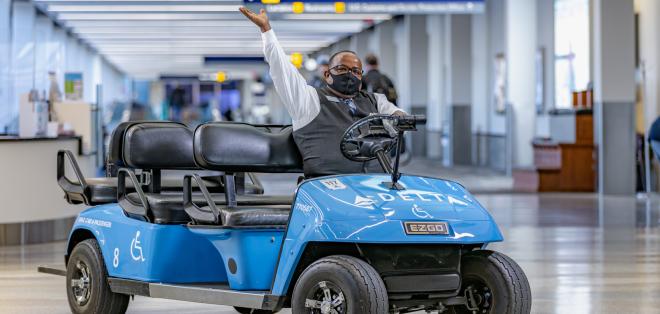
299 98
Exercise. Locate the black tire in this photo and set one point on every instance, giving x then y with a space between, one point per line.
497 282
360 285
245 310
97 297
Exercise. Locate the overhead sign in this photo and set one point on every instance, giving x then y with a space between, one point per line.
370 6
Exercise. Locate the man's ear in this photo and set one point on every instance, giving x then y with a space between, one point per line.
327 77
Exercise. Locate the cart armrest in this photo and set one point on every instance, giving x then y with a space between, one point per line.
195 212
142 209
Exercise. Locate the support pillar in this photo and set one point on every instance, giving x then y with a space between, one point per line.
481 89
614 94
412 73
520 55
435 29
22 54
382 44
649 41
458 89
5 64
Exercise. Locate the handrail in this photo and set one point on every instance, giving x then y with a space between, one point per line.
195 212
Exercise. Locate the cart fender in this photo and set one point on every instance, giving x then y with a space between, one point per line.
362 209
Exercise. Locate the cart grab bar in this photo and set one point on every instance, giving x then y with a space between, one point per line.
75 192
61 175
195 212
259 188
124 202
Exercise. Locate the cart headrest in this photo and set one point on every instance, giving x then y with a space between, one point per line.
158 145
116 145
240 147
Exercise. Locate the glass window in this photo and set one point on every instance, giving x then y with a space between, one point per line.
571 50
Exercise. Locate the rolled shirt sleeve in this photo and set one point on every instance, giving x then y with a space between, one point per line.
385 106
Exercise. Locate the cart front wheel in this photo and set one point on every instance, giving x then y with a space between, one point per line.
339 284
87 283
493 283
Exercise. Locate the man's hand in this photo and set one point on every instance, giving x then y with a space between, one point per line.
399 113
260 19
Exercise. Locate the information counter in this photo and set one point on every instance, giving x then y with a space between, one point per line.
33 208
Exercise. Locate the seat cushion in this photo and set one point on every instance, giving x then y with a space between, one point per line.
102 190
274 215
167 208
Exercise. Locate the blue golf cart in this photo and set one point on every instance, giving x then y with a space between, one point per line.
182 215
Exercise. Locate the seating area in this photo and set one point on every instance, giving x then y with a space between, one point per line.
152 165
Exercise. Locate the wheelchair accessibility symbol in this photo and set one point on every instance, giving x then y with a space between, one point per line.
420 212
136 249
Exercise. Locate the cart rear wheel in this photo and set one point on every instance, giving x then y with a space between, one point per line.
342 285
245 310
493 283
87 285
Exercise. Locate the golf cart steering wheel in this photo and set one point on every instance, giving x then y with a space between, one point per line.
366 137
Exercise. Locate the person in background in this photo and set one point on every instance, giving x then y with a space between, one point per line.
54 95
654 137
318 81
177 102
376 82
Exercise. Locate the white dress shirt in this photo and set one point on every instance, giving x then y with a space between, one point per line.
301 100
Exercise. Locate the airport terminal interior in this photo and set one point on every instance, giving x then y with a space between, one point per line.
364 156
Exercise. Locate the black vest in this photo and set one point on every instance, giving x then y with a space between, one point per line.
319 140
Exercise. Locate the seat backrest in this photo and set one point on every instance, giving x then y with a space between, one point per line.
116 145
240 147
158 145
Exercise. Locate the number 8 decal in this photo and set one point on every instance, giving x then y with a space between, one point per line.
115 260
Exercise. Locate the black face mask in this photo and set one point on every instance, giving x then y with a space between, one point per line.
347 84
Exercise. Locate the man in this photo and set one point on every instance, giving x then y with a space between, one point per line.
321 115
376 82
177 102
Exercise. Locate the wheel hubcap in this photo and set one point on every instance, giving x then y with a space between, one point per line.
80 283
479 298
325 298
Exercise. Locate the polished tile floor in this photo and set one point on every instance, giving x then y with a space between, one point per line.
582 254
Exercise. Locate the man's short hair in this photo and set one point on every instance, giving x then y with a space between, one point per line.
334 55
371 59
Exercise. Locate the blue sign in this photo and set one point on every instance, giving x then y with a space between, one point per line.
370 6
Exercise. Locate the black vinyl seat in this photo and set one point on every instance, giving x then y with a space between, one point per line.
168 207
236 147
265 215
103 190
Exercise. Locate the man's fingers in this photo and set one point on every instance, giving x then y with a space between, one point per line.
262 12
246 12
